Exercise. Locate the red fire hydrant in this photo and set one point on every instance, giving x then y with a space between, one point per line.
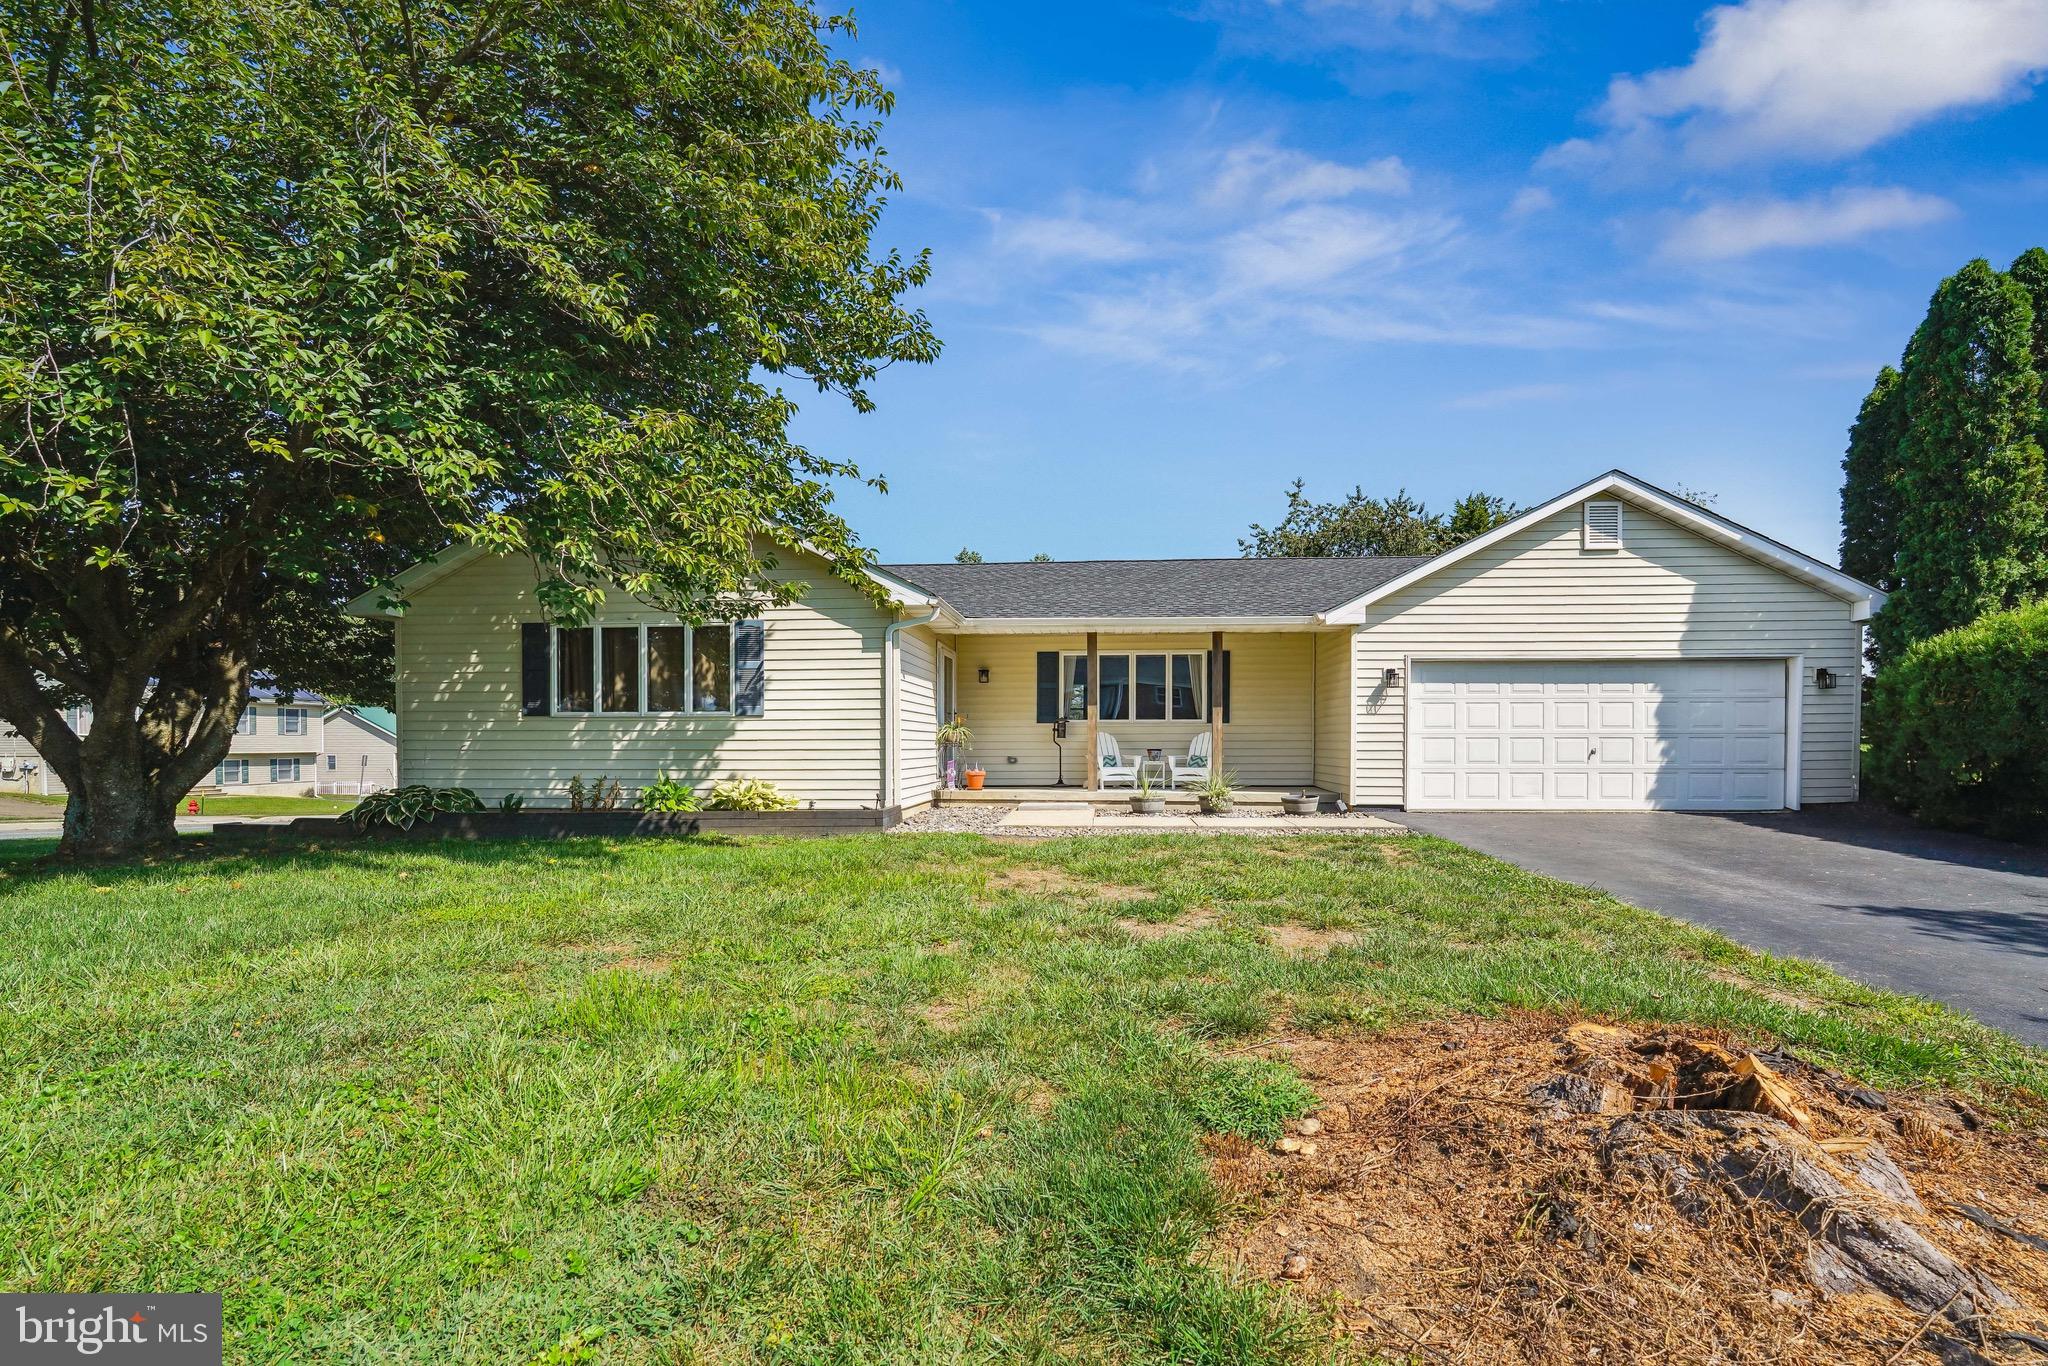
191 806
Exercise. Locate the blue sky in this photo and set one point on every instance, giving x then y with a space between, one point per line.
1184 253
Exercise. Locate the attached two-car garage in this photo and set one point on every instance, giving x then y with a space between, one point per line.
1686 735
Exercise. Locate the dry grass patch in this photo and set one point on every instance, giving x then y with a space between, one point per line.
1527 1190
1304 942
1035 880
1200 918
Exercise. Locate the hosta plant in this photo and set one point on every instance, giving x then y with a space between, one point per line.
406 806
748 794
669 794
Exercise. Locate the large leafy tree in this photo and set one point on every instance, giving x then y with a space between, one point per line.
293 291
1870 477
1972 510
2030 271
1360 524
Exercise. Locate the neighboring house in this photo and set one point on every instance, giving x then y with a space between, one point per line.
282 747
1615 648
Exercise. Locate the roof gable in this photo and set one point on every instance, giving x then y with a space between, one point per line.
1863 600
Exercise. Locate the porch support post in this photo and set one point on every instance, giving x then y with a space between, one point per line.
1094 711
1215 701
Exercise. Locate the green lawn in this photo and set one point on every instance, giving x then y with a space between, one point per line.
222 806
273 806
881 1098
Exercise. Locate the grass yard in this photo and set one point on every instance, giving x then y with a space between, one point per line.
38 807
274 806
879 1098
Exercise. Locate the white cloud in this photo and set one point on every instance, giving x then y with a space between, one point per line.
1512 394
1818 78
1261 173
1531 200
1063 237
1313 246
890 74
1733 228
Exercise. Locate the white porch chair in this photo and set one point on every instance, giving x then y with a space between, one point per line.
1109 760
1193 768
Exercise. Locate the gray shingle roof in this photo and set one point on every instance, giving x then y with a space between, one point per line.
1092 589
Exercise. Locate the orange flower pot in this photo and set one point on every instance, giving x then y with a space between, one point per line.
975 777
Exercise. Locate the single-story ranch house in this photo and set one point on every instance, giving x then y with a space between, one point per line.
1615 648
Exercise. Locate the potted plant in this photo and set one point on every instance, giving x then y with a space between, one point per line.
952 737
1301 803
975 775
1217 794
1144 801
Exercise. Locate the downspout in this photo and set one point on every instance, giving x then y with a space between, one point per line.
887 796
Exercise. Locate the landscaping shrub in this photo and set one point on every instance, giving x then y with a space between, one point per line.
1957 725
748 794
668 794
407 805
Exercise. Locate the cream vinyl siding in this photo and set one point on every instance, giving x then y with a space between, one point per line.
366 759
1333 704
1666 594
266 741
17 755
1269 740
819 738
917 700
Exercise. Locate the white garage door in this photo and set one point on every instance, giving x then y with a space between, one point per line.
1696 735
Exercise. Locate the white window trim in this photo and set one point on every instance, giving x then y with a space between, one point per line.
1201 674
297 769
285 714
597 628
227 764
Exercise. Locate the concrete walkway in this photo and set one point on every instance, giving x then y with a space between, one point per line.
1082 817
187 825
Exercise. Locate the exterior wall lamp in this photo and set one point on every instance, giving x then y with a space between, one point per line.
1824 678
1391 677
981 675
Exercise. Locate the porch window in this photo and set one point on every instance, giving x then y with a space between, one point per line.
1140 686
621 680
644 670
711 668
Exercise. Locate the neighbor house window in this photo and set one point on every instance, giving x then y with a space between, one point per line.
330 763
284 770
291 720
1140 686
231 772
245 724
644 670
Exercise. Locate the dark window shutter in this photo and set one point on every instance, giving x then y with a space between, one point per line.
1048 687
749 673
534 668
1226 687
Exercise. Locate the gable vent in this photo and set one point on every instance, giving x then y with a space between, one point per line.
1602 526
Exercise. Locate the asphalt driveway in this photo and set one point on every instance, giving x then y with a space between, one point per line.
1960 919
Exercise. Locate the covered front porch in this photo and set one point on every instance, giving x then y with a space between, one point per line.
1270 704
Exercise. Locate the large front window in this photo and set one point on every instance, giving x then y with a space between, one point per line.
1140 686
643 670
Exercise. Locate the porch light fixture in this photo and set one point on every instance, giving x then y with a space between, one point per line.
981 675
1392 678
1824 678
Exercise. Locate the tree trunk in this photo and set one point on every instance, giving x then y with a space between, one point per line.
116 811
